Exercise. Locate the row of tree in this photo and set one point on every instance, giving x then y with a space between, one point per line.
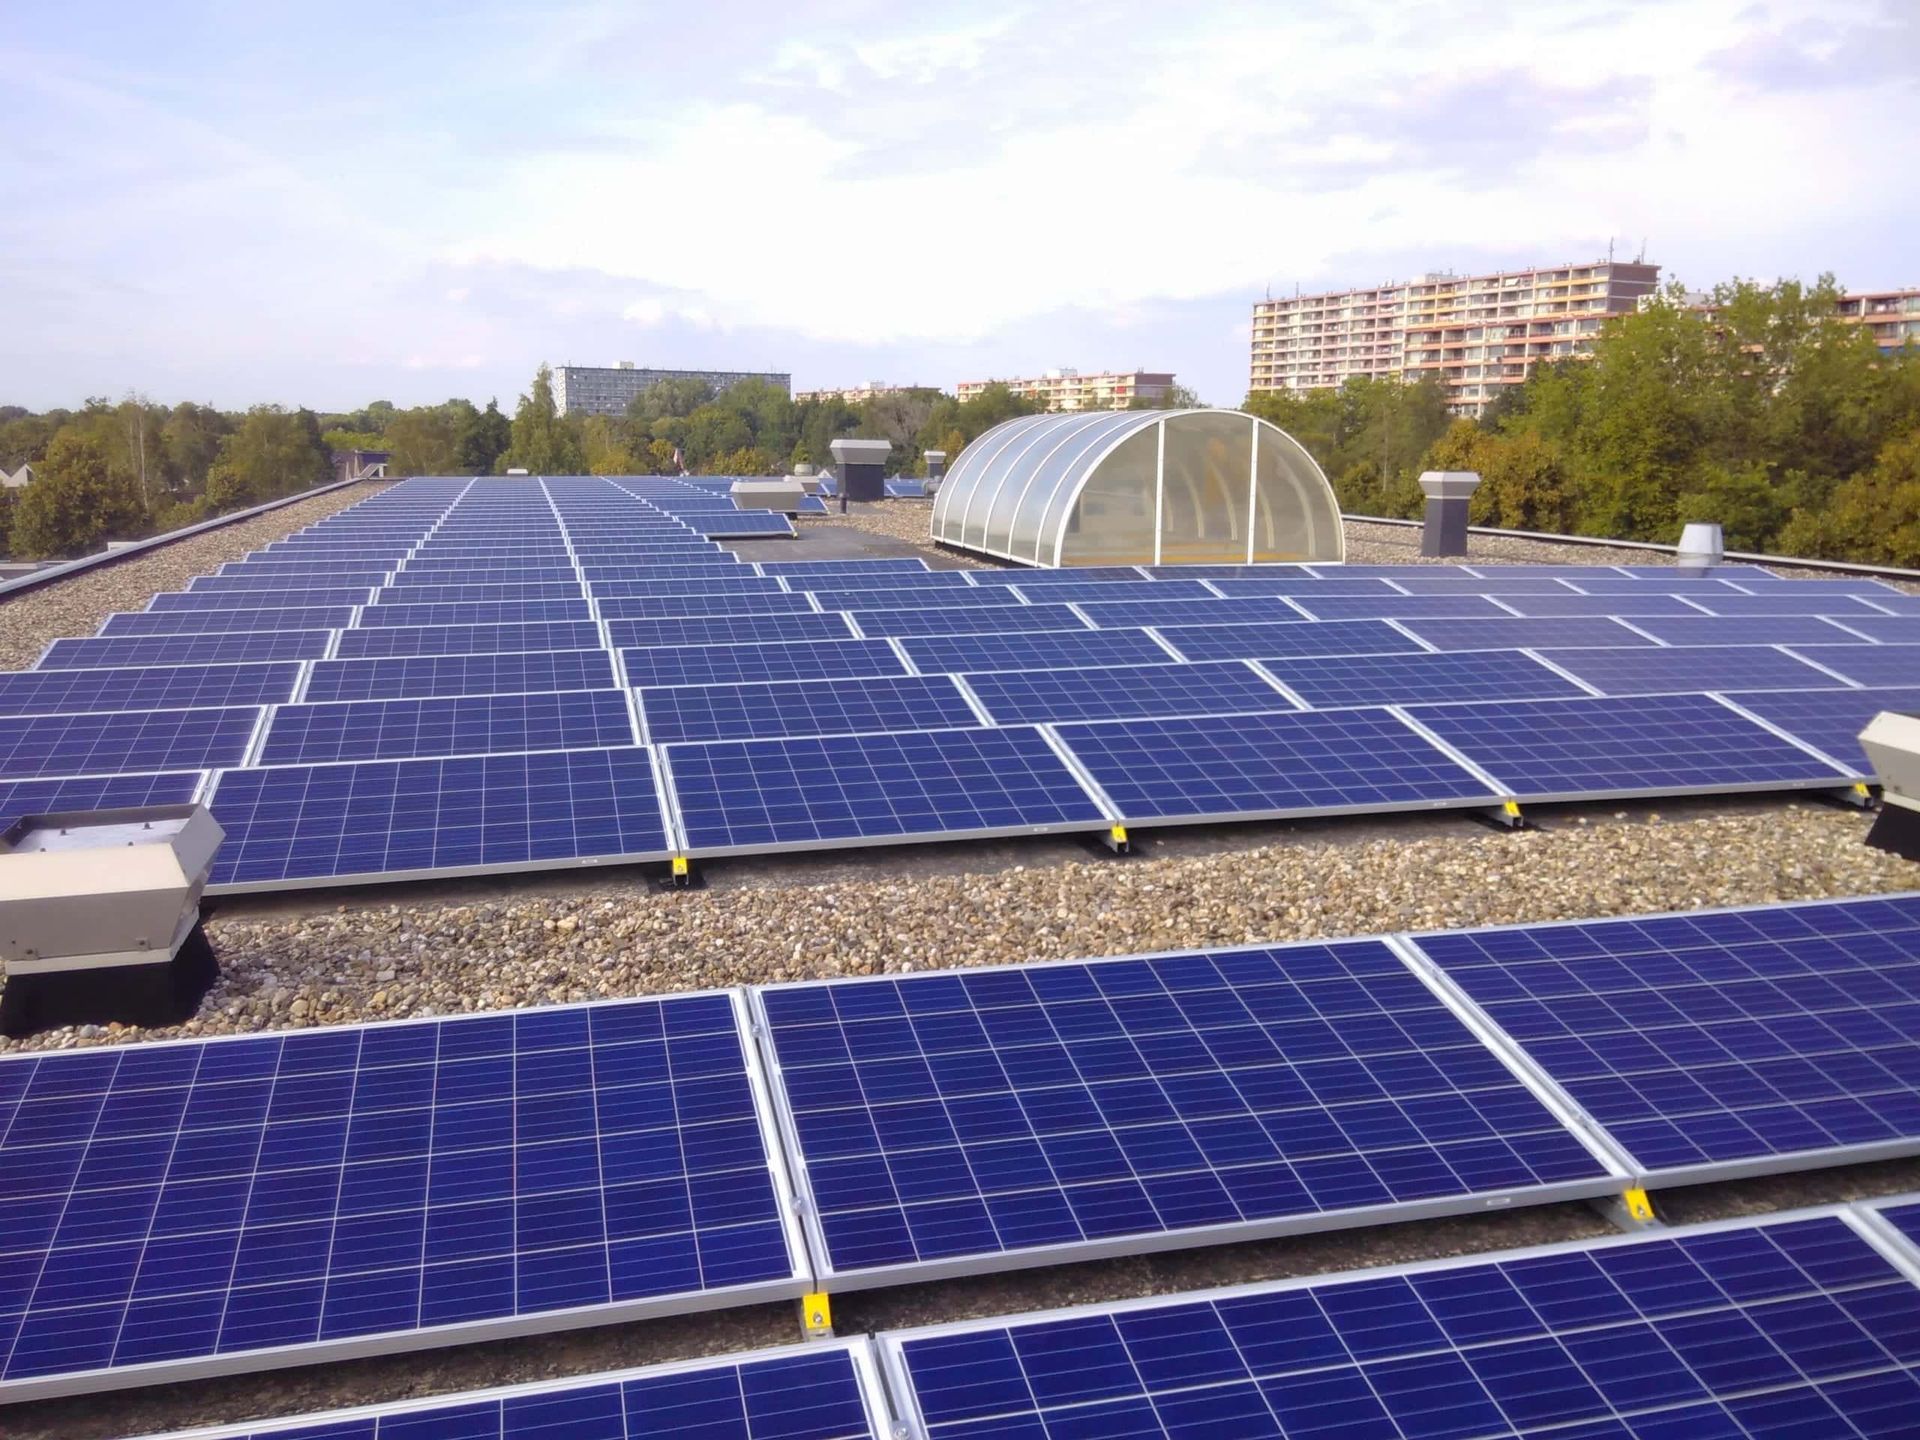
1763 410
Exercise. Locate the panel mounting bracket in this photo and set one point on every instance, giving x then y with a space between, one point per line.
816 1316
1630 1210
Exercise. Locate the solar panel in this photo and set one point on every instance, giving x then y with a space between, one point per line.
1523 634
1330 681
465 725
606 579
1071 575
1671 582
936 784
1645 670
395 819
1629 606
109 792
1830 720
1622 745
1022 1115
914 597
224 622
1746 630
243 600
1719 1042
204 1207
1867 664
1738 573
265 584
803 707
1891 600
733 664
1887 629
1105 591
457 594
1792 1327
422 676
727 630
461 572
1416 583
1242 572
992 620
1260 642
746 522
1394 571
475 612
742 582
1037 697
1118 614
663 607
826 1391
1410 607
1250 766
1303 584
1788 599
1038 650
911 564
852 575
119 742
465 639
167 687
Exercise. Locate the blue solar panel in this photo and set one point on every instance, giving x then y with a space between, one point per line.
1328 681
1243 766
456 594
1647 670
1118 614
727 630
113 792
1401 607
244 600
476 612
815 1393
1746 630
1830 720
1108 591
461 572
166 687
1038 697
1417 583
855 579
837 569
1243 572
264 585
766 794
465 725
990 620
393 817
809 505
741 582
422 676
1891 600
180 1201
1669 582
664 607
1738 574
915 597
734 664
906 489
1788 599
1790 1328
746 522
1072 575
1867 664
608 579
120 742
1523 634
1629 606
224 622
465 639
1037 650
1762 1037
1266 642
1887 629
1659 744
803 707
1303 584
1014 1115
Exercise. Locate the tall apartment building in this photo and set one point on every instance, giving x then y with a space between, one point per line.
1892 316
854 394
1070 390
1479 333
608 390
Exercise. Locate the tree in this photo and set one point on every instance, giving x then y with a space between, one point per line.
603 443
274 452
712 431
426 441
75 502
483 441
1873 518
541 443
191 438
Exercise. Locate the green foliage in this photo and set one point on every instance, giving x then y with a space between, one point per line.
427 440
274 452
482 442
1873 518
353 440
75 503
1370 436
542 443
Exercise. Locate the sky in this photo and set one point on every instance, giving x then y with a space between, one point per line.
240 202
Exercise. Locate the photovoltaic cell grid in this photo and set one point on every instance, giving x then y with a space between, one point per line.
1018 697
1867 664
1798 1327
730 664
815 1393
1330 681
124 742
113 792
1273 642
52 692
1750 1040
1830 720
422 676
779 794
1250 765
1036 650
1645 670
175 1203
1019 1115
468 725
1622 744
677 714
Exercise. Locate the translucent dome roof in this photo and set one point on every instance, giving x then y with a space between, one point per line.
1134 487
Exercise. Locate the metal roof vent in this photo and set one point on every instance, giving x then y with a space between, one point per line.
100 916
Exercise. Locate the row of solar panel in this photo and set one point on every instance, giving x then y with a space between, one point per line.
199 1206
1801 1324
